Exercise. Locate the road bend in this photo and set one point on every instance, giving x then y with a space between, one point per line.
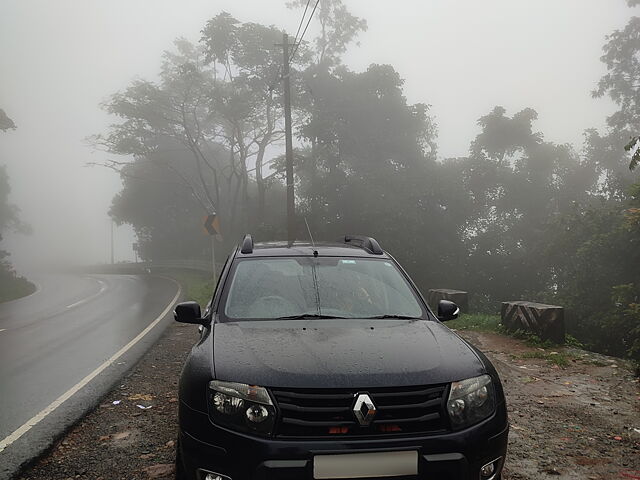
64 346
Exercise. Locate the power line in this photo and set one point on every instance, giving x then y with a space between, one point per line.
301 20
278 76
295 49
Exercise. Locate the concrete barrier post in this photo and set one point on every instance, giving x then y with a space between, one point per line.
546 321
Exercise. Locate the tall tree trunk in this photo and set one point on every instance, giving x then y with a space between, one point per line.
262 188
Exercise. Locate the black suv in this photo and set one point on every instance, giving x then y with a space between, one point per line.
323 361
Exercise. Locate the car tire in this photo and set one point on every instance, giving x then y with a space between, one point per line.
180 473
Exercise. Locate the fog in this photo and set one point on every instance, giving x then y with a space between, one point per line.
61 59
488 149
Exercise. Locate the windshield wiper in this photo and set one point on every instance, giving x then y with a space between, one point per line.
401 317
305 316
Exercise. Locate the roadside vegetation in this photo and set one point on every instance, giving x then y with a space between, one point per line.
554 354
12 285
479 322
196 286
544 349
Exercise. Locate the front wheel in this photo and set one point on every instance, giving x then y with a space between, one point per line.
180 473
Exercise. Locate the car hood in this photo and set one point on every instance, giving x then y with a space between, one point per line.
341 353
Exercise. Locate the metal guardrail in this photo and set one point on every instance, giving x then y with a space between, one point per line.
151 267
186 264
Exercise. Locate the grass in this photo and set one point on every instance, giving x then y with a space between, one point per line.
555 358
197 287
477 322
491 323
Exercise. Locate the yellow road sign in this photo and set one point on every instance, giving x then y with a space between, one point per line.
212 224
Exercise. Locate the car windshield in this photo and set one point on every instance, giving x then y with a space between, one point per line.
303 287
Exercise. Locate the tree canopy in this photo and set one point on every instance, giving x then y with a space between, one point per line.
518 217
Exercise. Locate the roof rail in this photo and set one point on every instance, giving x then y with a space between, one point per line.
247 244
368 243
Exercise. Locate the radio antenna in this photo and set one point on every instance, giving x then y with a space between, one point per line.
313 244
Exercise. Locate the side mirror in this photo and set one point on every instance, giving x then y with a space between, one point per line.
188 312
447 310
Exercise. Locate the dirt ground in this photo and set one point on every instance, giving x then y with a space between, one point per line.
578 422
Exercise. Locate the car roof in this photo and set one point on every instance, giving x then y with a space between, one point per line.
306 249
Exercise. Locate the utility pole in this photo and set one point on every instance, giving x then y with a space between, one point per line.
291 206
112 257
212 227
213 258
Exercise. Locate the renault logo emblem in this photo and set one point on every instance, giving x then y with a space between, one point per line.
364 409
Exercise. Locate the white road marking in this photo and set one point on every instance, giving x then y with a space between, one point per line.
2 329
4 443
103 287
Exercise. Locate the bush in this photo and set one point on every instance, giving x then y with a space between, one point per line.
12 285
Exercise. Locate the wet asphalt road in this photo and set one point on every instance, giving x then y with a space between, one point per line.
51 340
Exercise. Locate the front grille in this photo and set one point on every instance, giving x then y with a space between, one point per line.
328 412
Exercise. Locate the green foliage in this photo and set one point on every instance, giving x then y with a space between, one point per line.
514 186
12 285
5 122
196 286
572 341
477 322
519 217
624 318
164 216
9 213
532 339
555 358
491 324
621 83
632 147
338 28
369 166
194 136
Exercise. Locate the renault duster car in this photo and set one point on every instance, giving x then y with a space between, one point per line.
324 362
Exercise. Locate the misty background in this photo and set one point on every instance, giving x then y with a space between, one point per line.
60 60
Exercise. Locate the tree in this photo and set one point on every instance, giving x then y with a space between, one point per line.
9 213
338 28
246 70
210 120
5 122
368 166
11 284
515 182
622 82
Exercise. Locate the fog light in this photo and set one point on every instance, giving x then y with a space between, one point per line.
490 470
212 476
485 471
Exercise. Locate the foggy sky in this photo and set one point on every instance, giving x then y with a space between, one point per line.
60 59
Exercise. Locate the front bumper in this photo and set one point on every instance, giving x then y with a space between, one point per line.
451 456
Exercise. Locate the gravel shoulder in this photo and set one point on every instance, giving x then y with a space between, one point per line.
119 440
577 422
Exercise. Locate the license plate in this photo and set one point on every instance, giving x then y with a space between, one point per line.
365 465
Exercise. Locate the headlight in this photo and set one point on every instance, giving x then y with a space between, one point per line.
470 401
241 407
